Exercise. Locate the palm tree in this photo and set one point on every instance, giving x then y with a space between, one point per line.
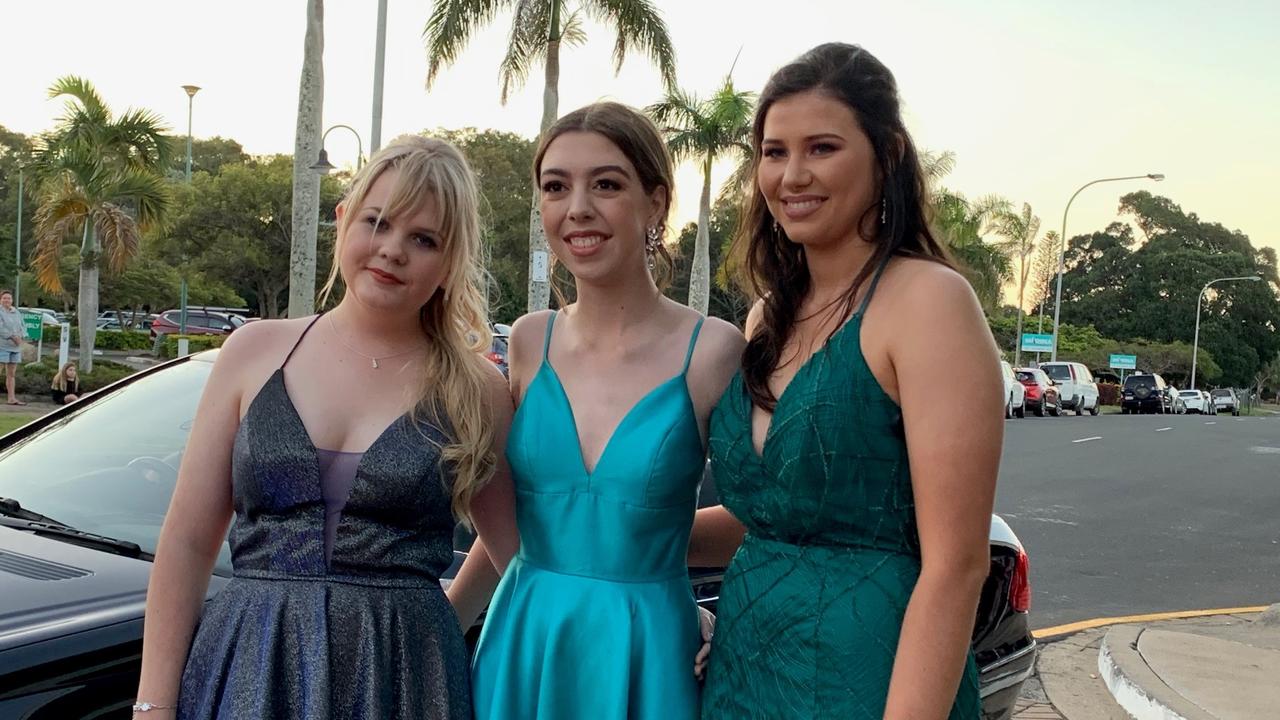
102 178
306 182
537 30
960 224
1019 231
705 130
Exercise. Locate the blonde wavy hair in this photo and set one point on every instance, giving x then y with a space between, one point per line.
60 380
452 390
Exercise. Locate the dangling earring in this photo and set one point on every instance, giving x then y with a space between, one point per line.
651 244
777 230
883 209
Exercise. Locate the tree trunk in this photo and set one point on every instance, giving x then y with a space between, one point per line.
540 290
87 304
306 182
700 271
1022 291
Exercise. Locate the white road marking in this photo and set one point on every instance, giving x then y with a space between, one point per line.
1054 521
1163 429
1263 450
1082 440
1215 422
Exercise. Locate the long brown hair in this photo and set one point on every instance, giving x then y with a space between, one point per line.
641 142
453 387
775 268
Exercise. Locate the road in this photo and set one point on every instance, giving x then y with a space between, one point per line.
1125 514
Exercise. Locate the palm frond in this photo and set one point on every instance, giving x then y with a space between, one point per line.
147 193
574 32
118 233
90 103
451 25
140 135
937 165
638 23
57 218
676 111
525 46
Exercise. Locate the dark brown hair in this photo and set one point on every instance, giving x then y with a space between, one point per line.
775 268
640 140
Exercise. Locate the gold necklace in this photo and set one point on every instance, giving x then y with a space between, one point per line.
371 358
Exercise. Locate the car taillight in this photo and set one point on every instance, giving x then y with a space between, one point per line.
494 357
1020 588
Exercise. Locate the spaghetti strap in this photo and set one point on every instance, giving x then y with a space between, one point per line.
871 289
692 342
546 343
298 342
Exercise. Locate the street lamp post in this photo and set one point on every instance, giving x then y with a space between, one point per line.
1195 344
322 163
182 291
379 61
1062 253
17 252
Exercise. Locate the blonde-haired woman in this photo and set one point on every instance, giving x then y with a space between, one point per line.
346 444
65 388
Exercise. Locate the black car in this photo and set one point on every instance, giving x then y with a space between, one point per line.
85 490
1146 393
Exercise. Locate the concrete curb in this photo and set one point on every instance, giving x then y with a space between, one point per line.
1135 686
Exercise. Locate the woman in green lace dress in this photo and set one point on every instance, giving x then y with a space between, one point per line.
859 443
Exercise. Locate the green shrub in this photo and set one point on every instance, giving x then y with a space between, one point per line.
35 379
196 343
104 340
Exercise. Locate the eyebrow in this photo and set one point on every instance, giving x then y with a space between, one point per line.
810 138
557 172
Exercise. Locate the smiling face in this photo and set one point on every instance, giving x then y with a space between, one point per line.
595 210
392 263
6 300
817 169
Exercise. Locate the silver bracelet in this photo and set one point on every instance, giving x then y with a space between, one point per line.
148 707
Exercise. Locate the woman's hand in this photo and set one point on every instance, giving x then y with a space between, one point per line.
707 621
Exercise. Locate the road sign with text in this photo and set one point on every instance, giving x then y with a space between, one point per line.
1037 342
1124 362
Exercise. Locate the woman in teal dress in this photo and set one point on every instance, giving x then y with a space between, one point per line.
860 441
594 619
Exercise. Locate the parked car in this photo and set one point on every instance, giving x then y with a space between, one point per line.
1015 395
1145 393
1195 401
199 322
498 352
78 531
1042 393
1175 401
1225 400
1076 386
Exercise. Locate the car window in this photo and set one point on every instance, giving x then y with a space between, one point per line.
1134 381
1057 372
236 320
172 317
110 467
1190 393
1026 376
1221 392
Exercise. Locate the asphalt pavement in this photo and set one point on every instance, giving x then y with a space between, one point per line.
1124 514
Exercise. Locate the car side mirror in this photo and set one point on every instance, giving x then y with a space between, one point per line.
226 328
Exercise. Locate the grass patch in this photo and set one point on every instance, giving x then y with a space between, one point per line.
10 421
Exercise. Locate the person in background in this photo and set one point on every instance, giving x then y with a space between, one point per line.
65 388
11 334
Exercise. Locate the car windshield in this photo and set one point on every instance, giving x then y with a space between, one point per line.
1057 372
1139 381
1221 393
1190 393
109 467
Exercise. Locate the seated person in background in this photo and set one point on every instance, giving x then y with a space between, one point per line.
66 385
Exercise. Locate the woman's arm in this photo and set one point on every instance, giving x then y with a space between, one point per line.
194 528
715 538
954 457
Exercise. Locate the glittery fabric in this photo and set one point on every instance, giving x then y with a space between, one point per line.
366 635
595 619
812 604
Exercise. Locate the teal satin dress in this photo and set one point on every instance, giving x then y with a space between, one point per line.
595 618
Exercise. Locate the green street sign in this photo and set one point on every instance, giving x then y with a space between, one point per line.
1124 362
1037 342
34 326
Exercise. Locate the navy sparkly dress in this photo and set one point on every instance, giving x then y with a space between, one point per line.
357 630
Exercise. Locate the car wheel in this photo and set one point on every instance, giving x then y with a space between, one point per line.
1079 406
1095 409
1008 408
1040 409
1022 409
1055 411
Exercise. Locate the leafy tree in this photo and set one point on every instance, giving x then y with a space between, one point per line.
960 224
705 130
101 179
207 155
236 227
725 300
15 152
1018 231
1149 288
502 163
538 29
